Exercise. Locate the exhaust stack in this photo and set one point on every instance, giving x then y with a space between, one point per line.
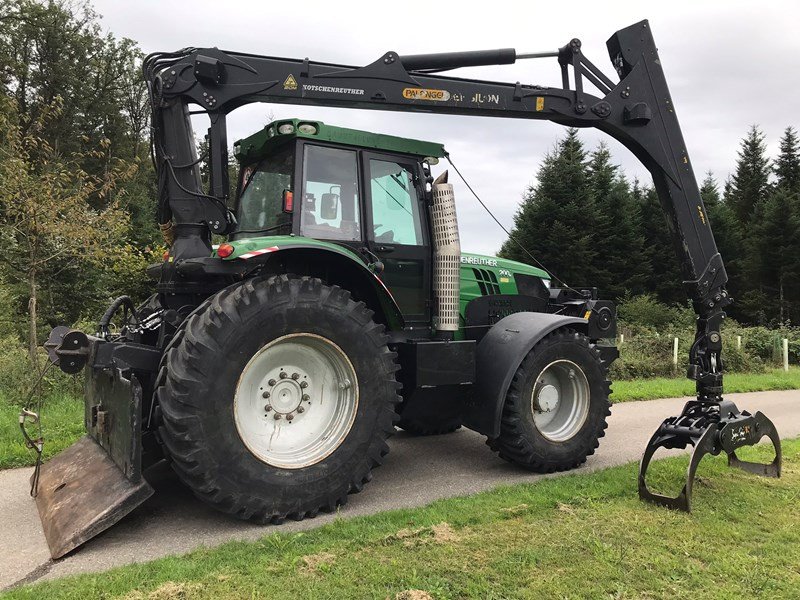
446 258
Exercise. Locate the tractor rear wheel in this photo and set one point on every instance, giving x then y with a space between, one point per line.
278 400
556 408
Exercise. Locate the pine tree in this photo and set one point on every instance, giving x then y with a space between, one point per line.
750 182
557 220
787 165
665 276
776 248
621 243
728 236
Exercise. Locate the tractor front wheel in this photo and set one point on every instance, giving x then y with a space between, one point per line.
278 399
556 408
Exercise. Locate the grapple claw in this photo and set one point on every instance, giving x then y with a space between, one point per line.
710 428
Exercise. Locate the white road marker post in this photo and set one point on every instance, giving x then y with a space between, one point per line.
621 338
785 354
675 353
738 342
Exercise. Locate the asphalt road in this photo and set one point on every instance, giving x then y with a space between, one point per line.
417 471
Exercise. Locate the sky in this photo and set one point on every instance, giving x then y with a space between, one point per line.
729 64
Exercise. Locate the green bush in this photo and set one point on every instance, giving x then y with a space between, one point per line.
645 311
17 377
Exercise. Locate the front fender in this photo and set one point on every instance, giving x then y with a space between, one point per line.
499 355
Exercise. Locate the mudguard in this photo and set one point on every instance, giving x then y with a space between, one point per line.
499 355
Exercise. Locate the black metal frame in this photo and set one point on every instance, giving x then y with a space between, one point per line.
637 111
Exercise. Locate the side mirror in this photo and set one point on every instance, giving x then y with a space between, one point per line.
329 207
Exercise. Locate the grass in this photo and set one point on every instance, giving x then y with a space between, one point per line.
579 536
62 424
62 415
663 387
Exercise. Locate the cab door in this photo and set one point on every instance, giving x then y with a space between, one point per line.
397 231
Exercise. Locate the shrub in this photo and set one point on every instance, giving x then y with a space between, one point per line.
17 378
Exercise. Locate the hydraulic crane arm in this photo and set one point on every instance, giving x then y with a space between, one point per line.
637 110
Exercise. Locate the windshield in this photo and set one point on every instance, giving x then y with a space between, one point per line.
260 206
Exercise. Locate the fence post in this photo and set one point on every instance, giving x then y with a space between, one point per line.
738 342
785 354
675 353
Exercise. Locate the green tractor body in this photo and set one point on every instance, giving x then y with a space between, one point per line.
340 308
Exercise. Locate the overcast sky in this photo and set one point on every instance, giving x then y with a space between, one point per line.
729 64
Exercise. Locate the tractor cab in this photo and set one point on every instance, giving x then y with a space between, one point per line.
361 190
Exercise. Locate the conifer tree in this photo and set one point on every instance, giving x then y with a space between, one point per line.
787 165
557 219
750 181
665 276
621 242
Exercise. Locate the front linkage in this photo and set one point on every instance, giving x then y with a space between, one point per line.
709 424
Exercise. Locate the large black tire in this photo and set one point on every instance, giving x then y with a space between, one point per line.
520 440
198 382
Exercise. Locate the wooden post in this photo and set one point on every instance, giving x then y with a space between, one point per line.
785 354
675 353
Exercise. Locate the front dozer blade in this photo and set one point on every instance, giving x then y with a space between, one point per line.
82 492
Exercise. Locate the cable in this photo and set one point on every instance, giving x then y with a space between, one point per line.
508 233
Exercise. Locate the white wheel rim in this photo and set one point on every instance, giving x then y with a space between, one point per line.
296 401
560 400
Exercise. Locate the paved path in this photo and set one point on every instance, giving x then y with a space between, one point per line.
418 471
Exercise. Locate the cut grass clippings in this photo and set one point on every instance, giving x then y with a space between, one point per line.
578 536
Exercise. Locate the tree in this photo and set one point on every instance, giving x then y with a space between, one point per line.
728 235
45 217
776 245
558 220
750 181
620 245
787 165
665 275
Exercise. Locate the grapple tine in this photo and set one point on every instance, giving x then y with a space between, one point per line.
710 428
702 444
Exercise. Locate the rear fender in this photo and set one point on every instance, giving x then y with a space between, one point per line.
335 265
499 355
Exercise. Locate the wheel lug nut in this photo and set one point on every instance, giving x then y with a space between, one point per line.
283 375
265 395
306 398
289 417
271 382
304 384
300 409
295 376
277 417
267 408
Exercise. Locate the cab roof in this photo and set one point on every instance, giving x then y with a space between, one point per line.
265 141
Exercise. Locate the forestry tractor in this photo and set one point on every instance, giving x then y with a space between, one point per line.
270 369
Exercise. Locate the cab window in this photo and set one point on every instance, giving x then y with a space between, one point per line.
395 206
260 205
330 209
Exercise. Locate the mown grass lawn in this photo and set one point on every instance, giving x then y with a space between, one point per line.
662 387
579 536
62 415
